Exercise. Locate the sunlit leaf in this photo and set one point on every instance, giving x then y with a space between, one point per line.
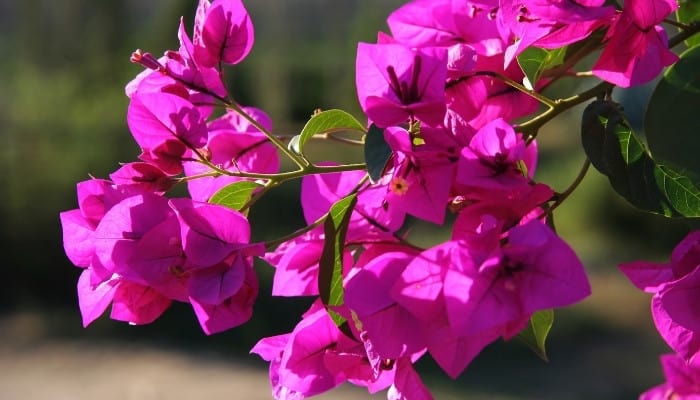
330 277
535 334
328 121
235 195
534 60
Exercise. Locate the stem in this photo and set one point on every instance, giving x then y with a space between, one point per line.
210 174
677 24
298 160
566 193
285 176
531 127
692 29
537 96
331 136
580 54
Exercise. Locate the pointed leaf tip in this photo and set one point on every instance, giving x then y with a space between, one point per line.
536 332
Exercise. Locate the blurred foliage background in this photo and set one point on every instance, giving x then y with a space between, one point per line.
62 118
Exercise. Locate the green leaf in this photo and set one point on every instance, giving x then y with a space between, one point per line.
326 122
689 11
534 60
330 277
618 153
235 195
377 153
671 123
535 334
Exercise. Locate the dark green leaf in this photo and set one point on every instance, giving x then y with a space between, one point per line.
534 60
377 153
689 11
330 277
671 123
535 334
617 152
235 195
327 122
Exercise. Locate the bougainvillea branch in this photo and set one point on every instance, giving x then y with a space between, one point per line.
450 98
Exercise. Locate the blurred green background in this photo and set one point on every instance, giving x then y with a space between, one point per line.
62 118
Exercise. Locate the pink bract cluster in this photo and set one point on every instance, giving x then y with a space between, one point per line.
674 286
435 89
140 250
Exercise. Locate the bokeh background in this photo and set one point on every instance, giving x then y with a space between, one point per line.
62 118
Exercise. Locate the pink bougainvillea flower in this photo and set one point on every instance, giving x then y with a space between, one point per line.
637 48
495 158
535 271
407 383
178 70
165 126
77 238
154 118
131 302
498 210
422 288
396 83
477 100
234 144
93 299
316 357
421 176
233 302
95 198
680 299
647 13
296 265
487 296
223 32
391 328
193 70
144 176
297 359
185 68
371 217
426 23
549 23
648 276
148 80
117 235
137 304
148 251
461 60
296 261
675 286
685 342
682 381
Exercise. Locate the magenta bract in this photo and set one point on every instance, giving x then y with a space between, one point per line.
396 83
223 33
